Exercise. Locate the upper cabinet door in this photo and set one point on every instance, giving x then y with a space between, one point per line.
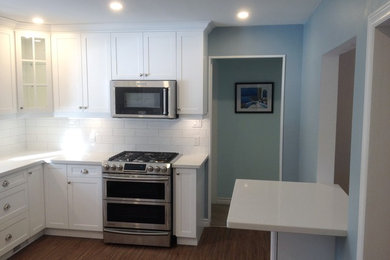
127 56
33 71
160 55
67 72
191 85
7 72
97 72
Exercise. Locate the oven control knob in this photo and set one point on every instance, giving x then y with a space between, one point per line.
150 168
164 169
106 167
113 167
156 169
120 167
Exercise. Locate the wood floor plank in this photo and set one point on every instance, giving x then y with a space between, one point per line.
216 243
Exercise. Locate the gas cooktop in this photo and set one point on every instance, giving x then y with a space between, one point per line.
143 157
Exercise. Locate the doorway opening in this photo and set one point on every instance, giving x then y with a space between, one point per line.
374 209
335 118
244 145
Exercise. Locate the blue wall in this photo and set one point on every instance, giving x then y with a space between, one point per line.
246 140
333 23
271 40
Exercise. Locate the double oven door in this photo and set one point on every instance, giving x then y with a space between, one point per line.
137 202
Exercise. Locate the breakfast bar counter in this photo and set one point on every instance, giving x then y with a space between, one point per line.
304 218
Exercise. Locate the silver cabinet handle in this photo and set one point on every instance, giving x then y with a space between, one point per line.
7 206
84 171
29 172
146 74
20 108
85 107
178 173
69 182
5 183
80 107
141 74
8 237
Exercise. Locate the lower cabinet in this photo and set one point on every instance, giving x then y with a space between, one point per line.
189 201
36 199
73 202
13 232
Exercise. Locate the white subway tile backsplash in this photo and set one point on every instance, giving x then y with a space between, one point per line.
105 134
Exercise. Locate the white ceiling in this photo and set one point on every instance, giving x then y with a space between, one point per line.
221 12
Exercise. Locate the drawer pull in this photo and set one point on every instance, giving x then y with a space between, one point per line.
5 183
84 171
30 173
7 206
8 237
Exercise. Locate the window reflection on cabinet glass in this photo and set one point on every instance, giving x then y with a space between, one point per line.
28 72
40 73
28 96
42 96
39 44
27 49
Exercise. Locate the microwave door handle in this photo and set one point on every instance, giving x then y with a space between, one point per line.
165 103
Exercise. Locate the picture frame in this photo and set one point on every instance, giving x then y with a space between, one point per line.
254 97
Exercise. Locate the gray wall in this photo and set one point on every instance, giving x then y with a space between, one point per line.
333 23
248 144
271 40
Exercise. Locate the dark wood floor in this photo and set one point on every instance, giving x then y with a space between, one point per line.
216 243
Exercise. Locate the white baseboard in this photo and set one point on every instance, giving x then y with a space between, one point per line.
224 201
187 241
74 233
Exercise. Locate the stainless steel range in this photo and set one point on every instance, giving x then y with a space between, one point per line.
137 198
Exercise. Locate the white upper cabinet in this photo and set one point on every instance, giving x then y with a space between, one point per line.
33 71
96 60
7 72
160 55
67 72
191 73
81 72
148 56
127 55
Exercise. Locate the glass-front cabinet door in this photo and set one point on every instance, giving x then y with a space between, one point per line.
33 71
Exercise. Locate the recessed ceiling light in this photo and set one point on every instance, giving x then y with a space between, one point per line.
243 15
37 20
116 6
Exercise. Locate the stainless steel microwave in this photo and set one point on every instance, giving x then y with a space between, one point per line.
143 99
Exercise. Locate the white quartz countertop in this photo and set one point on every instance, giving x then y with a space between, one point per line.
190 161
28 159
297 207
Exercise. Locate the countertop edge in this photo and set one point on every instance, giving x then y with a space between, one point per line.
190 161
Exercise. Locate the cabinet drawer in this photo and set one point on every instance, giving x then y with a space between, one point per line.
12 180
84 171
13 202
15 232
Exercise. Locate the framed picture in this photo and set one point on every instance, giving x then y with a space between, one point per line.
254 97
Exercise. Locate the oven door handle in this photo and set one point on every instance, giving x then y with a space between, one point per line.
136 178
136 232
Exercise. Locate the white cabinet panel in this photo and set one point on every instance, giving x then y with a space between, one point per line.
13 233
7 72
85 203
127 55
56 199
160 55
191 85
67 72
36 198
185 203
97 72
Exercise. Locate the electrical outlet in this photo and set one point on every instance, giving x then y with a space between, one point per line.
196 141
197 124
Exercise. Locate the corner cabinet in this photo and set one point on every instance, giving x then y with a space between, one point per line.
148 55
33 67
7 72
191 73
73 197
81 72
